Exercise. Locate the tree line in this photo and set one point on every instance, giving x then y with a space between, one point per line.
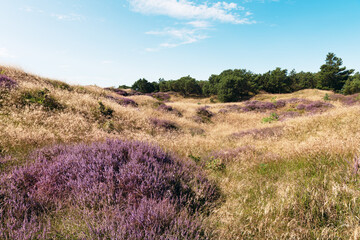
239 84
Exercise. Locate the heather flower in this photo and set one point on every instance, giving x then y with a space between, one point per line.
161 96
258 106
120 189
164 124
6 82
346 100
123 101
166 108
204 112
117 91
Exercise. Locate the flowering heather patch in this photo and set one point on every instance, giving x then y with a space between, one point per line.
203 115
6 82
223 111
166 108
315 106
161 96
127 102
163 124
258 106
346 100
230 108
118 189
280 103
204 112
117 91
260 133
123 101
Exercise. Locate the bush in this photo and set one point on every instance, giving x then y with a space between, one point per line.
203 114
116 189
42 98
105 111
166 108
6 82
60 85
117 91
273 117
163 124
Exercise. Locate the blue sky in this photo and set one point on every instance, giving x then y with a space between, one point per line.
114 42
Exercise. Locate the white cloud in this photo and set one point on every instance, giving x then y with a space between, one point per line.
185 9
199 24
4 53
177 37
68 17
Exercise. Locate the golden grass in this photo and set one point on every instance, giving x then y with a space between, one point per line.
295 185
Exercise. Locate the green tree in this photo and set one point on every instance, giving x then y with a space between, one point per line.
142 85
275 81
352 85
332 76
234 85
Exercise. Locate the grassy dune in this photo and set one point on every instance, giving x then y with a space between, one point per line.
287 178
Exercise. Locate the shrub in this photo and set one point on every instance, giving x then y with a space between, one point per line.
203 114
161 96
166 108
117 189
273 117
60 85
216 164
258 106
123 101
326 97
105 111
346 100
117 91
6 82
163 124
314 106
42 98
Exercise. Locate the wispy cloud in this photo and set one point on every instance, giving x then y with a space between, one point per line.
58 16
177 37
4 53
184 9
199 16
199 24
68 17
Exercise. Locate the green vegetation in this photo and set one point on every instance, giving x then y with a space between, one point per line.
42 98
240 84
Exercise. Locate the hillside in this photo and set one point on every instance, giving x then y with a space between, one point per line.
283 164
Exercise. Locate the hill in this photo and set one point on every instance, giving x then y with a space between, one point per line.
283 164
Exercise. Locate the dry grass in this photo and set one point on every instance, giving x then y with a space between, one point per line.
293 185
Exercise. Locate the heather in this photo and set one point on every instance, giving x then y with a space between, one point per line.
121 189
203 115
163 124
6 82
294 177
170 109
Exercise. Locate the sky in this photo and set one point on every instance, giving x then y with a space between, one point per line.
116 42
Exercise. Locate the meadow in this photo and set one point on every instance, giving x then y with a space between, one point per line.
84 162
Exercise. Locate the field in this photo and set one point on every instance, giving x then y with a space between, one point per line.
285 165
